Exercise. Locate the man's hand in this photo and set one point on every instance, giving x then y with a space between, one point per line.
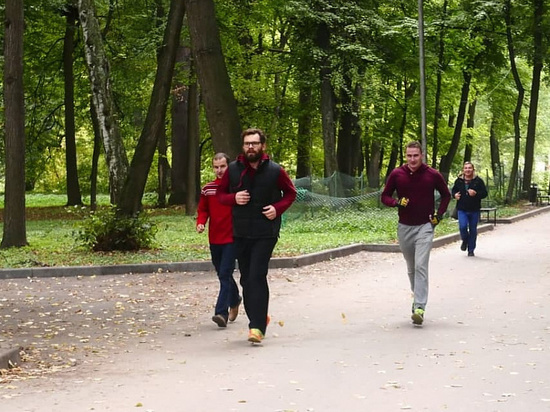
242 197
435 219
402 202
200 228
269 212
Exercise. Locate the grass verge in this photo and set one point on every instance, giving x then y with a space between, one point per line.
51 233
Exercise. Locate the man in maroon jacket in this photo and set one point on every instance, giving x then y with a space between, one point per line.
220 237
415 183
259 191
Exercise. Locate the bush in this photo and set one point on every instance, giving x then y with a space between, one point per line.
104 231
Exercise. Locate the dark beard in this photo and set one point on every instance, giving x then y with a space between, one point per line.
254 157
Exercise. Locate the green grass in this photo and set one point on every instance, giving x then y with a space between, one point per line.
51 234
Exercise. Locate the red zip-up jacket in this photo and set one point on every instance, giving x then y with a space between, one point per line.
220 226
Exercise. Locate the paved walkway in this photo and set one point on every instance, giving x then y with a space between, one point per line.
340 340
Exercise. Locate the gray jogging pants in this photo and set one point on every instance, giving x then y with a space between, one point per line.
415 243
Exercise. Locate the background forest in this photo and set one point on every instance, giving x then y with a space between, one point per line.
133 97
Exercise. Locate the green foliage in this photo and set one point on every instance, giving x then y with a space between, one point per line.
104 230
271 52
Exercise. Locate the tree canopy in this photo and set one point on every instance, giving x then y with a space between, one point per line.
335 84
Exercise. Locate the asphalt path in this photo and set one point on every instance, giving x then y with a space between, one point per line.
341 338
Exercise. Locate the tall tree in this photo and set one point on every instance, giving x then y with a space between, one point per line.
98 67
96 153
14 232
496 166
441 65
447 159
180 126
73 186
373 164
539 51
328 101
349 154
303 161
132 193
219 101
519 100
470 123
163 166
193 149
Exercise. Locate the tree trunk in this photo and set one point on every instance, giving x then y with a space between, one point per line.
14 232
163 170
328 125
496 167
373 171
74 197
538 57
397 146
95 159
98 68
440 68
130 202
345 146
328 110
163 167
447 160
470 130
519 102
392 161
180 129
357 158
349 136
219 101
305 119
193 148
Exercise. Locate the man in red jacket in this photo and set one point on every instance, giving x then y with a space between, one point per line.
220 237
415 183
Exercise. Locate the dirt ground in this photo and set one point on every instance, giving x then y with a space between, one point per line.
340 339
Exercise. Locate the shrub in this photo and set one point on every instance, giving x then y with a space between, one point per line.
104 231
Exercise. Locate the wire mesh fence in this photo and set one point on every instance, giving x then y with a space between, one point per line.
342 193
337 196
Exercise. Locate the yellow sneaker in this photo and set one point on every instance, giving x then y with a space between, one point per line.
255 335
418 316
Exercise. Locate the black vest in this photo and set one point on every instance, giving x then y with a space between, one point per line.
248 220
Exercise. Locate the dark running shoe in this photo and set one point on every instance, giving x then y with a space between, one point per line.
464 245
219 320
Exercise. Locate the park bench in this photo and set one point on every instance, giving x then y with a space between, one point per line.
489 211
543 198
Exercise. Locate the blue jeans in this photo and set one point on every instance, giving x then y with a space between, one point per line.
223 258
467 225
254 256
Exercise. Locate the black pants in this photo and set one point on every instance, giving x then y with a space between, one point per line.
253 256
